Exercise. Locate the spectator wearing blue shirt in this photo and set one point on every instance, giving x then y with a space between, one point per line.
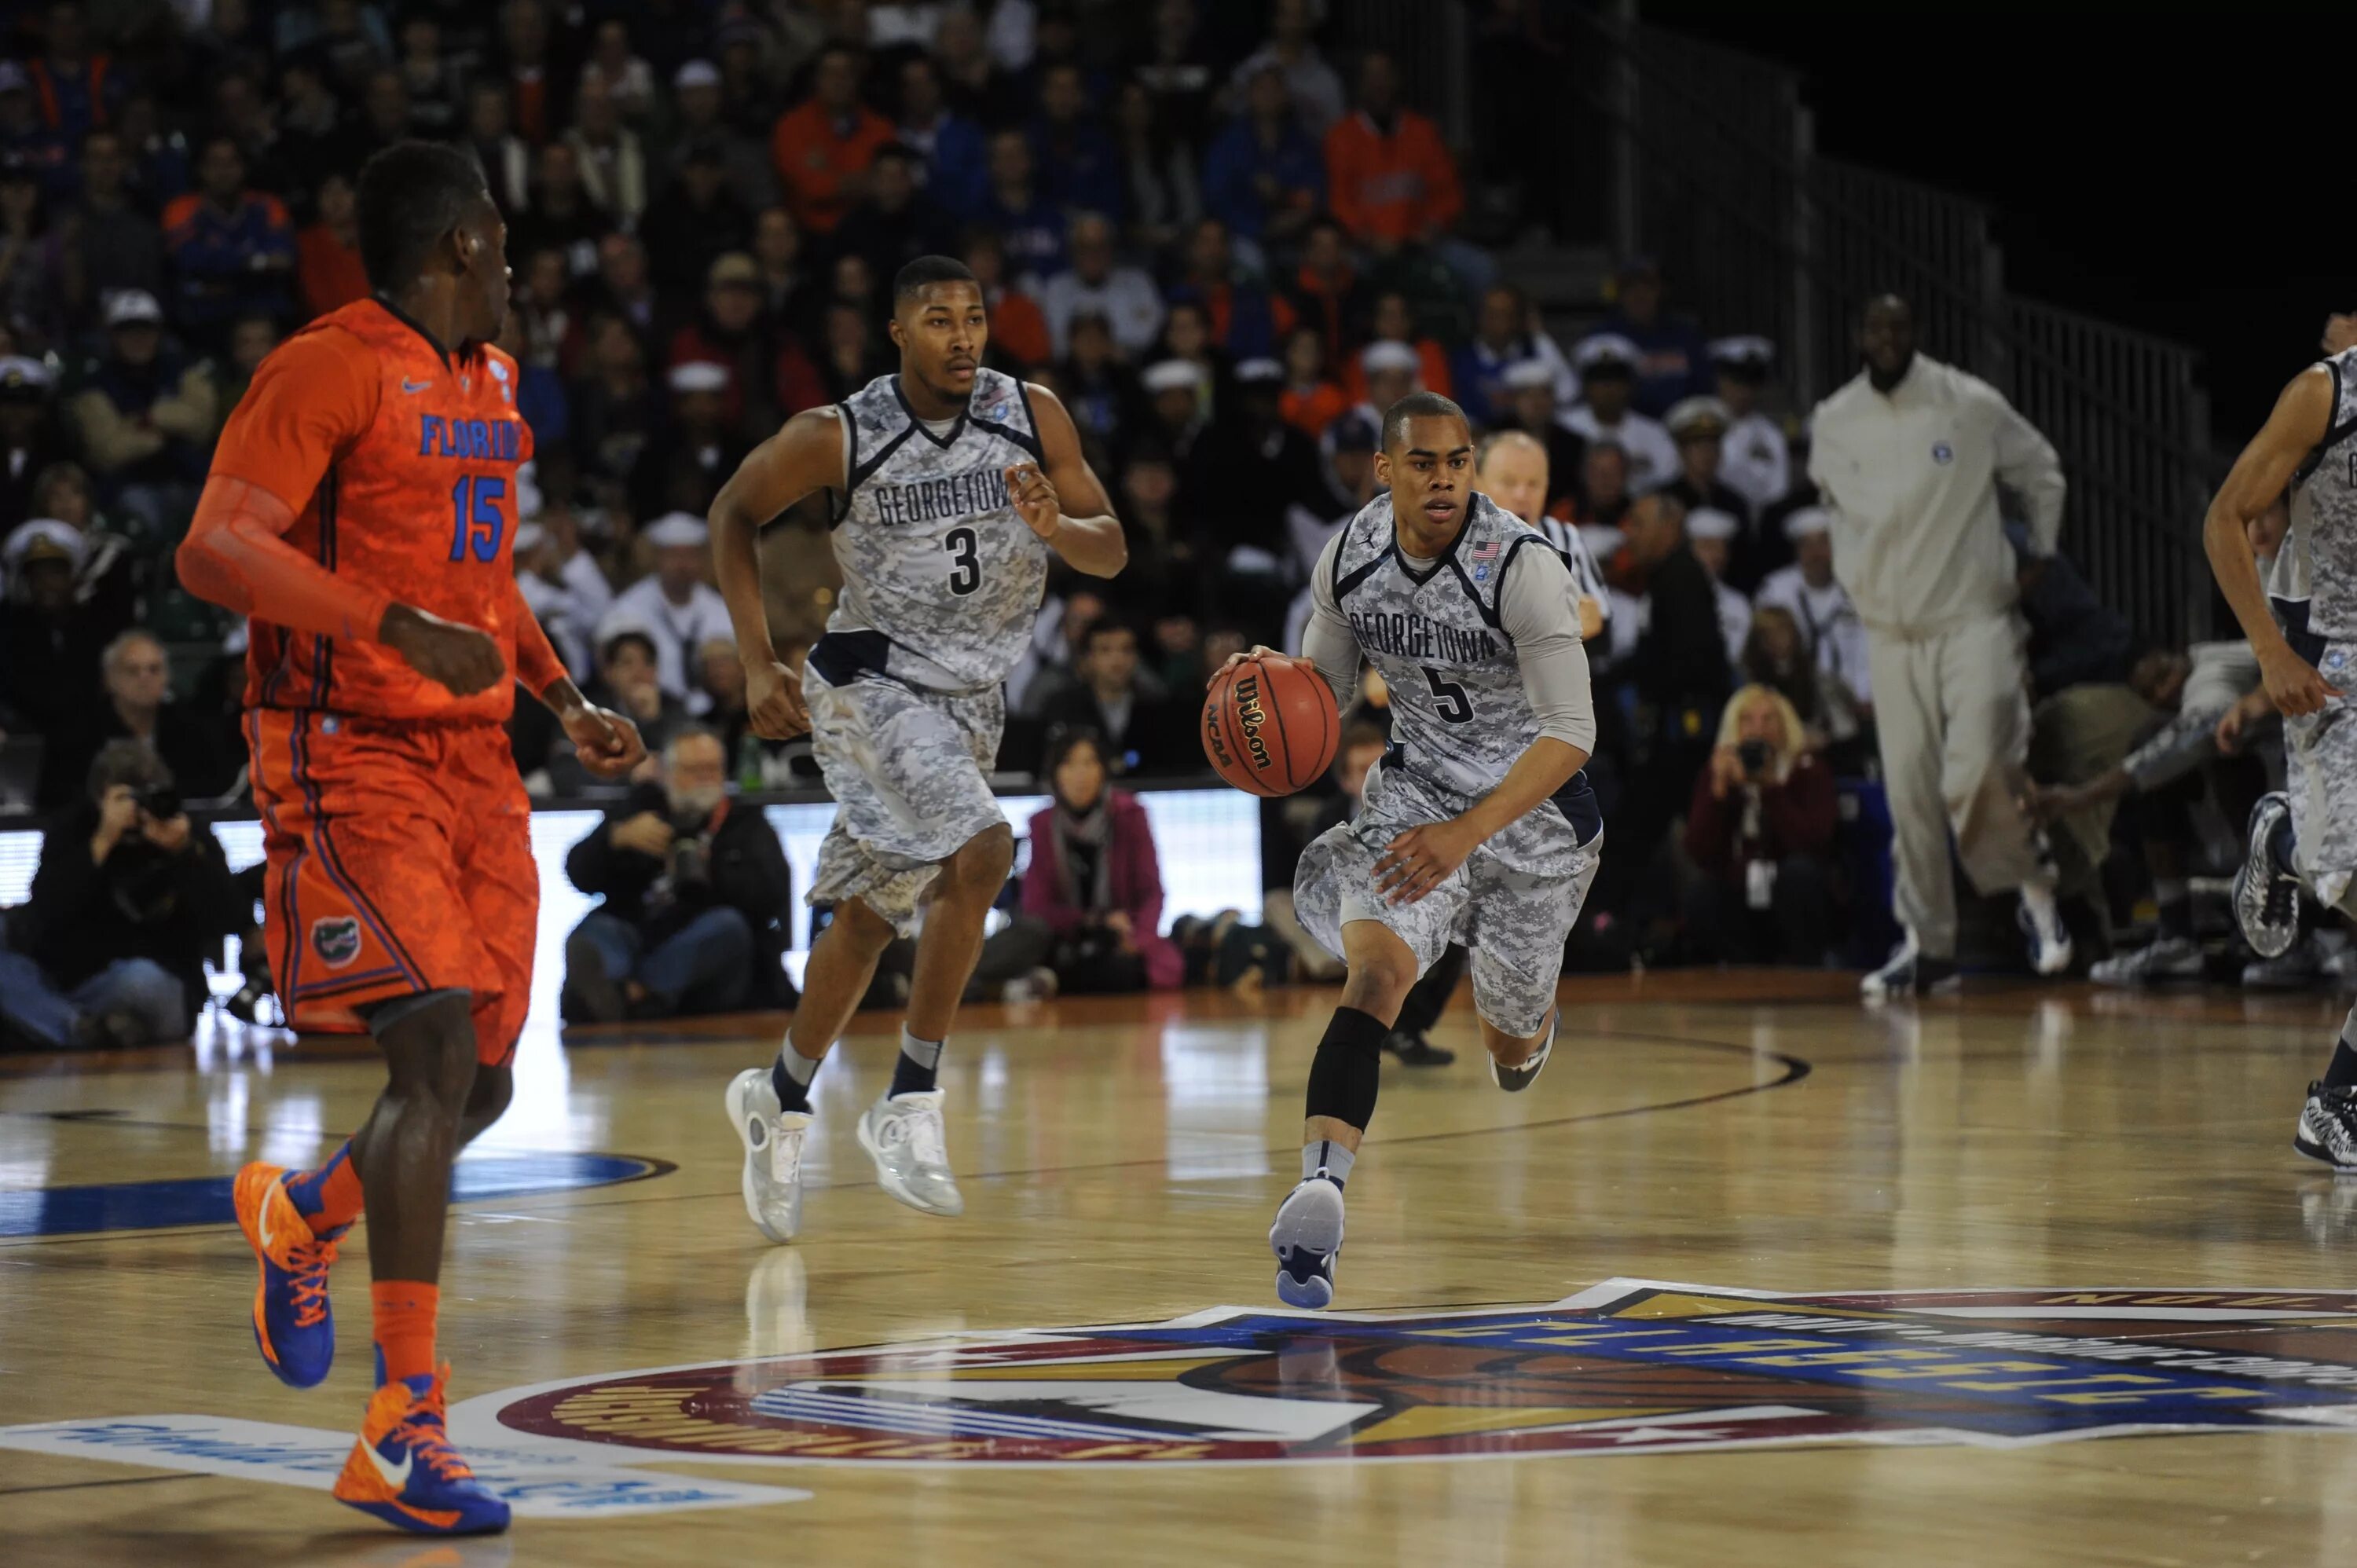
24 137
1030 228
1079 167
1504 337
957 162
1265 176
1672 360
231 250
76 91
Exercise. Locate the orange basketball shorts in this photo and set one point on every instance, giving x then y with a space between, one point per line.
399 861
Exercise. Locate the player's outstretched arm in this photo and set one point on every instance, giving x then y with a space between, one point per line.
608 743
1063 500
805 456
2302 416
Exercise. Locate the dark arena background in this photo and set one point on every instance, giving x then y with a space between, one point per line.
1962 938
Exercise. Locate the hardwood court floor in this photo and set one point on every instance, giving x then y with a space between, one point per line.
1120 1163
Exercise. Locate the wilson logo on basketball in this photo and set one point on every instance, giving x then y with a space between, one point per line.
1249 709
1631 1364
1270 725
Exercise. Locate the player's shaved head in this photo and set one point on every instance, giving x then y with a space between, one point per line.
411 195
1422 405
909 285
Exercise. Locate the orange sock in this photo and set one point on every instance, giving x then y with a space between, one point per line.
404 1326
329 1198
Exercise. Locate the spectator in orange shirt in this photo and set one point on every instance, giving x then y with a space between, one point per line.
1311 399
824 148
1017 325
1391 180
328 254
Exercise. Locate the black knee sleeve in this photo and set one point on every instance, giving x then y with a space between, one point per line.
1349 1065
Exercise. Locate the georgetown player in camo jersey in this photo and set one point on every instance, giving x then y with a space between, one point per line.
951 486
1479 826
2307 837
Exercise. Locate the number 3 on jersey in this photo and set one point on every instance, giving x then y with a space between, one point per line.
475 521
966 560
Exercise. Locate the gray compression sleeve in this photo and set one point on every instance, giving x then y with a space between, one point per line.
1537 608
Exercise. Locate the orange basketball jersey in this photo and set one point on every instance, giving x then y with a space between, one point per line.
400 463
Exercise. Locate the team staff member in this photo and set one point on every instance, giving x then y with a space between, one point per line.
1908 455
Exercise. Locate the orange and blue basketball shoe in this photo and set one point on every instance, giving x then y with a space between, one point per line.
292 1322
404 1471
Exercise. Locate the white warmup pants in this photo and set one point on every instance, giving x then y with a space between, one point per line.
1952 711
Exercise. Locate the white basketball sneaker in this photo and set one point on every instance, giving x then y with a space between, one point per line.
2042 930
1305 1237
772 1182
903 1135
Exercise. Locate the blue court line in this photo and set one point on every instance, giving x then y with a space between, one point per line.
205 1200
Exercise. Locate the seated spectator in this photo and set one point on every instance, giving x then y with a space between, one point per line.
1291 52
2075 637
1608 379
822 148
678 609
1029 225
1187 338
628 682
1159 577
1327 292
1099 389
626 80
107 243
28 295
106 581
1158 169
790 286
696 895
561 217
894 222
1672 362
1392 180
695 222
72 83
1177 70
613 165
693 453
1265 176
1776 654
1141 731
564 613
1699 427
1504 337
145 414
624 289
1123 295
1236 485
971 81
851 355
720 675
129 900
137 707
231 250
729 332
1312 399
1529 388
1094 879
327 270
1395 322
1836 637
1079 167
49 638
1755 458
746 169
1049 668
491 140
430 78
950 146
1247 321
1384 371
1760 831
614 412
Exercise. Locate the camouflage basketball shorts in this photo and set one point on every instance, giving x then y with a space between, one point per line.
1512 903
2320 776
905 768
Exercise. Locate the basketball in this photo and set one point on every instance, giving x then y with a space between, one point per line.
1270 725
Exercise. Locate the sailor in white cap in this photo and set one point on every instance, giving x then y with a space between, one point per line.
1527 402
42 539
1821 605
1392 369
1710 534
562 613
1606 363
1753 456
1183 419
675 606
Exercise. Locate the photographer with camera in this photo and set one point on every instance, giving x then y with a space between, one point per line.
697 894
109 949
1761 830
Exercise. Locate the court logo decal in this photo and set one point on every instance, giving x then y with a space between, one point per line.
1633 1366
537 1483
336 939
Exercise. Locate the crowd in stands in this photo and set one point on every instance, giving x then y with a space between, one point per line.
1222 233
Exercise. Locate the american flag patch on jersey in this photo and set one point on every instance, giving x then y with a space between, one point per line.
1483 552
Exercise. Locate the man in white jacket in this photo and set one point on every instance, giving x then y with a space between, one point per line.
1908 456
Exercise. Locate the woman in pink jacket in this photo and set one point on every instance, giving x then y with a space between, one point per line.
1094 879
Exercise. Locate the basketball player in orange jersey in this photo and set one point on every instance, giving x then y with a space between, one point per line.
360 512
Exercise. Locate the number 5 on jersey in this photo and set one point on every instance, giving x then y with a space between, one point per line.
966 560
475 521
1454 706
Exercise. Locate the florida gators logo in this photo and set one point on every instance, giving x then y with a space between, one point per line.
336 939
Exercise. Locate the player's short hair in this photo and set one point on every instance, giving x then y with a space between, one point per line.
410 195
923 273
1417 405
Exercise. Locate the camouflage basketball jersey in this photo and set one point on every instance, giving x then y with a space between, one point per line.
1459 715
2314 583
934 559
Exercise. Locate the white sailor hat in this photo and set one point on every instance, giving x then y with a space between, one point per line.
1388 354
678 530
1524 373
43 538
1606 348
1690 415
699 376
1172 375
1263 368
696 73
22 379
1807 521
1745 351
1709 522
